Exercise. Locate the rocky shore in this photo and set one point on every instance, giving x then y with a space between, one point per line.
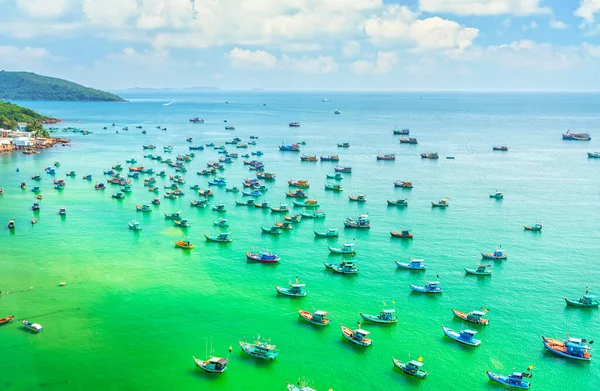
38 144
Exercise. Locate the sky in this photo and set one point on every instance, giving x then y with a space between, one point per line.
307 44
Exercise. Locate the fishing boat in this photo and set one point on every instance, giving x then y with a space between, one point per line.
301 183
199 203
497 195
253 193
168 148
297 194
132 161
503 148
99 186
308 158
337 176
330 158
315 214
358 198
403 184
259 349
398 202
249 202
513 380
466 337
184 244
390 156
143 208
212 365
430 287
403 234
233 189
412 264
118 195
290 148
222 237
262 205
262 256
404 132
206 193
343 145
295 290
362 222
197 120
346 169
344 267
135 225
267 176
347 248
219 208
574 348
318 317
274 230
62 211
385 316
70 173
535 227
35 327
576 136
173 216
412 368
36 177
196 148
497 254
171 195
333 187
443 203
586 301
431 155
330 233
283 208
294 218
358 336
156 201
408 140
476 317
285 225
294 124
183 223
218 182
306 203
6 320
594 155
11 225
35 206
481 270
39 196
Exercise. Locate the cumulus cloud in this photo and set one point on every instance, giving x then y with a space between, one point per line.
351 48
321 64
557 24
243 58
259 59
33 59
588 10
44 8
383 63
529 54
483 7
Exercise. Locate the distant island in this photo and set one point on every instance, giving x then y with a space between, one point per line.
31 86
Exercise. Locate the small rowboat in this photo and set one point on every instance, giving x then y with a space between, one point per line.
357 336
514 380
317 317
34 220
6 320
472 317
185 244
412 368
466 337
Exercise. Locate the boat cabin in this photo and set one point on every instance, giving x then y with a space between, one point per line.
467 335
387 314
576 347
416 262
217 363
413 366
359 334
319 316
223 236
588 299
296 288
475 315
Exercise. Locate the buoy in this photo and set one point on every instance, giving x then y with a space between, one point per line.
63 283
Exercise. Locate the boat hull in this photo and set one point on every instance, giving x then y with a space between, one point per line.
402 366
504 381
577 303
456 337
347 333
552 346
287 292
307 316
202 365
475 272
375 319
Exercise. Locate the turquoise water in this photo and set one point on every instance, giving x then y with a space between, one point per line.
135 309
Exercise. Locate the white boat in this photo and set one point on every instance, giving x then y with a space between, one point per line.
212 365
36 327
414 264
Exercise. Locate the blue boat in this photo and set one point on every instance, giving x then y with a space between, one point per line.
514 380
253 193
259 349
466 337
412 368
574 348
498 254
430 287
293 147
295 290
414 264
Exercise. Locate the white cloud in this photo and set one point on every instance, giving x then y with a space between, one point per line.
351 48
587 10
590 50
384 63
110 13
533 25
44 8
243 58
539 56
438 33
483 7
301 47
32 29
321 64
392 25
26 59
557 24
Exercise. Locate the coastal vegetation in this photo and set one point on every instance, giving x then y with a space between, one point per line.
31 86
11 115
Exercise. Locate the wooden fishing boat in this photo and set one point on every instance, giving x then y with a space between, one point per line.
337 176
183 223
316 214
535 227
217 182
408 140
156 201
412 368
330 158
35 206
173 216
333 187
390 156
262 256
233 189
283 208
294 218
259 349
513 380
586 301
430 287
308 158
358 336
347 248
576 136
330 233
62 211
404 131
297 194
219 208
134 225
500 148
413 264
403 184
212 365
206 193
497 195
343 145
36 177
361 223
118 195
35 327
482 270
345 169
249 202
301 183
290 148
262 205
318 317
498 254
285 225
443 203
358 198
295 290
11 225
385 316
143 208
306 203
403 234
99 186
70 173
274 230
472 317
199 203
6 320
222 237
594 155
432 155
345 267
466 337
574 348
184 244
398 202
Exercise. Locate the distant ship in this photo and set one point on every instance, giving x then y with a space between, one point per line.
169 103
325 100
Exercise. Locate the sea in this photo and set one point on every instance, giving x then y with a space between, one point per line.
134 309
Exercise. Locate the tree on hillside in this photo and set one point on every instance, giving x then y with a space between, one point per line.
6 123
37 129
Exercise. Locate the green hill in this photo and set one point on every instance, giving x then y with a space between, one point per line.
11 114
31 86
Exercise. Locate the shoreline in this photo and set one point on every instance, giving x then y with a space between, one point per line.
38 144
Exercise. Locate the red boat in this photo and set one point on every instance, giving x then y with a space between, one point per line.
6 320
136 169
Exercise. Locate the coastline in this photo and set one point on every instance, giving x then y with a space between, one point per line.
38 144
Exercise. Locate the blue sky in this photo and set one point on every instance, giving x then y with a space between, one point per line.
307 44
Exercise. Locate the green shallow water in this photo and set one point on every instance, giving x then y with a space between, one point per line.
135 309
